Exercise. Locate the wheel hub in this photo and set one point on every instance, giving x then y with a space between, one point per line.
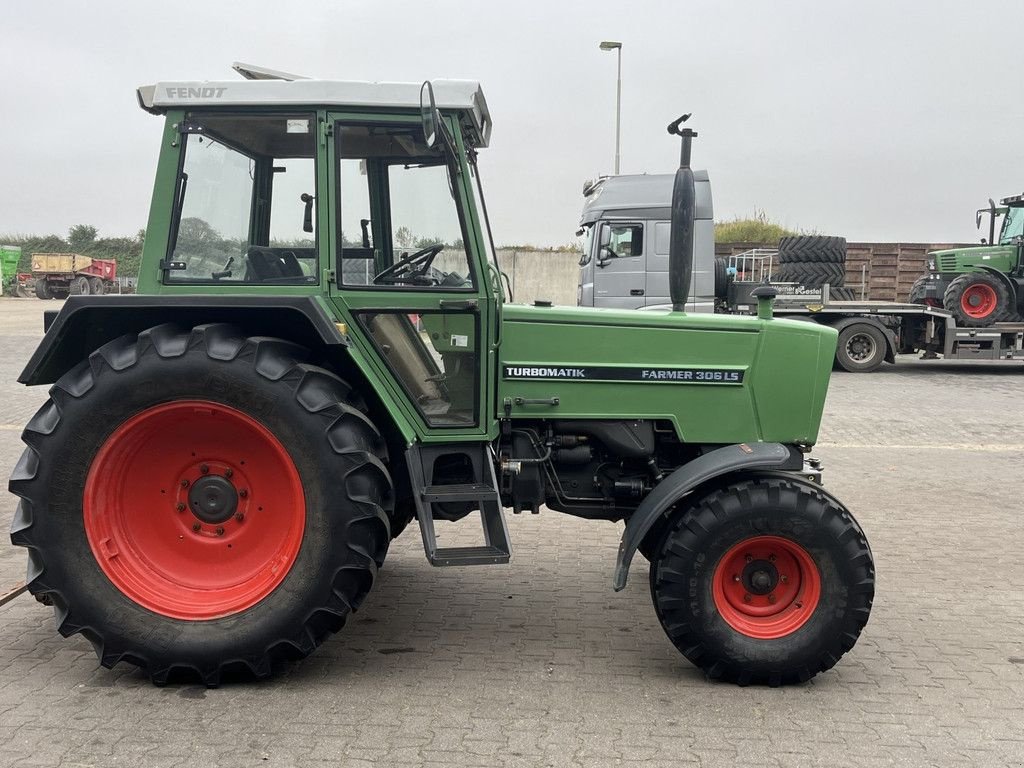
760 577
766 587
213 499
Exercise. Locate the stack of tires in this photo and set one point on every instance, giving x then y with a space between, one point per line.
812 261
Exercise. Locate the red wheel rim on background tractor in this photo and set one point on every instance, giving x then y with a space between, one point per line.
766 587
978 301
194 510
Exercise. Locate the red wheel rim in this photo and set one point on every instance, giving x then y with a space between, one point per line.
194 510
978 301
766 587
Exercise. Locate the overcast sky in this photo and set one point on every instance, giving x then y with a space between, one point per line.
874 120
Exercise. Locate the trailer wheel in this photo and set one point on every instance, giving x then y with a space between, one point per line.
43 289
766 581
96 286
978 299
198 501
861 348
79 286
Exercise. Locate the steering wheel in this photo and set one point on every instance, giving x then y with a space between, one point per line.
412 268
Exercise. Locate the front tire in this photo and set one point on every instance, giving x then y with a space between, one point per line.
201 501
978 299
766 581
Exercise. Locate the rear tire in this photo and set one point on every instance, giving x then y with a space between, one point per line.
96 286
79 286
106 502
812 274
861 348
812 248
721 279
978 299
43 290
739 542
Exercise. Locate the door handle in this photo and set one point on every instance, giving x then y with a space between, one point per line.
537 401
459 303
636 291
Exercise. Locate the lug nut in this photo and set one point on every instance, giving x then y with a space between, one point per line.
750 558
196 527
747 598
228 472
203 468
184 483
771 598
239 516
735 577
243 492
180 506
220 530
783 578
771 558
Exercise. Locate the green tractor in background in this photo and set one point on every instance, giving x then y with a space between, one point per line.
981 285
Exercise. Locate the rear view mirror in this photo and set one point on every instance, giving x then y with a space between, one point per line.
428 114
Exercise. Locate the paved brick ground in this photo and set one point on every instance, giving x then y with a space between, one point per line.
539 663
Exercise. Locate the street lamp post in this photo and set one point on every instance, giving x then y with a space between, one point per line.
611 45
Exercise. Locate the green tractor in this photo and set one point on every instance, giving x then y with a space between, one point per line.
981 285
321 351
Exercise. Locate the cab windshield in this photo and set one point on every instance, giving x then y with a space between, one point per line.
1013 226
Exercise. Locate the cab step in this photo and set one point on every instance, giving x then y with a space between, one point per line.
496 549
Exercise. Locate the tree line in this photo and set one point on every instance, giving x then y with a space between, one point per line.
83 239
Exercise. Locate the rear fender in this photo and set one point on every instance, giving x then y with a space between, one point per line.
85 323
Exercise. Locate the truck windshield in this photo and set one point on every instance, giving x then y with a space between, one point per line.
1013 226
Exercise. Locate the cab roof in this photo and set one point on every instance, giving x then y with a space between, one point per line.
463 96
645 194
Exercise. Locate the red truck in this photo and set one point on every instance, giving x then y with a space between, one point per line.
58 275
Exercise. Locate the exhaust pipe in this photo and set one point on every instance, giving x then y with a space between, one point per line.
680 248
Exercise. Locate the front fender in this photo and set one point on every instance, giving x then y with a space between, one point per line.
720 461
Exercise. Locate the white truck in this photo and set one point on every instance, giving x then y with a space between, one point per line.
625 225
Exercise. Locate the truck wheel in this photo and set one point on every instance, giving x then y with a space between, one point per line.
43 289
80 286
96 286
766 581
978 299
861 348
198 501
812 248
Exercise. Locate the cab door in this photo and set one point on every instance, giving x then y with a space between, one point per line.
620 268
406 271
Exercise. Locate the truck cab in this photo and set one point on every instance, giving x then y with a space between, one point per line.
626 227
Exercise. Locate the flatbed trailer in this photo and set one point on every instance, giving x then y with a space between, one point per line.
874 332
